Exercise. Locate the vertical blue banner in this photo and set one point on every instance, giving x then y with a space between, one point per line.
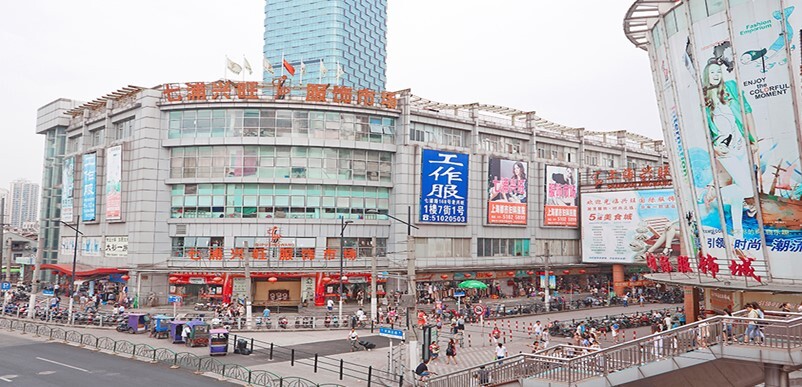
88 197
444 187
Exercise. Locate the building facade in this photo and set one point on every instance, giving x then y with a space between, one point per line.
23 202
347 37
727 84
184 188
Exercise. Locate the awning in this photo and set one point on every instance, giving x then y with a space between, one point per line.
82 270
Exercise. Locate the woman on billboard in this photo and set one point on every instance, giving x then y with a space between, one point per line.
733 143
515 191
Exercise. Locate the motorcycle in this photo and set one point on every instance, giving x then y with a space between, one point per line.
283 322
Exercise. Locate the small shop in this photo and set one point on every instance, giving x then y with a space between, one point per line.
199 287
355 286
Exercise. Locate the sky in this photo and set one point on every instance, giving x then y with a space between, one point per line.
568 61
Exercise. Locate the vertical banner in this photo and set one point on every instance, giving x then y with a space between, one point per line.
88 193
561 187
67 188
730 132
113 184
444 187
623 226
507 191
763 34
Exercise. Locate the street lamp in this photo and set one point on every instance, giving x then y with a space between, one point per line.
74 257
343 224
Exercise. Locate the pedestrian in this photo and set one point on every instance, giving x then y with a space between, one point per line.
641 300
760 315
495 334
501 352
625 299
434 351
727 326
353 337
538 328
544 338
614 331
535 345
330 305
422 370
482 376
451 352
667 321
751 328
704 332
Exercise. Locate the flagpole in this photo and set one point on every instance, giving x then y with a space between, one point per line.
282 63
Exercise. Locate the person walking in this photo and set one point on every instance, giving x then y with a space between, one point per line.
614 331
451 352
751 328
353 337
501 352
434 351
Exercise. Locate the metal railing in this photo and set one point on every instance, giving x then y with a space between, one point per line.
779 330
164 356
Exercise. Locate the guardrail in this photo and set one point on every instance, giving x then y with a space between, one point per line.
782 331
164 356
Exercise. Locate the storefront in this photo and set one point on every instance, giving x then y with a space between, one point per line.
355 286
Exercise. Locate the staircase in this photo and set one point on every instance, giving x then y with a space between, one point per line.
665 355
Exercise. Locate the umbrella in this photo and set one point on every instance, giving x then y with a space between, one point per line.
472 284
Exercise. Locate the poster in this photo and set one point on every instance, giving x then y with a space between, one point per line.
88 193
67 188
763 34
444 187
116 247
623 226
507 191
561 190
67 246
113 184
91 246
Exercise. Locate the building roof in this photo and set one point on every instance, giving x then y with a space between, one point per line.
636 21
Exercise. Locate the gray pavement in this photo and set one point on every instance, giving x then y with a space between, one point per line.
28 362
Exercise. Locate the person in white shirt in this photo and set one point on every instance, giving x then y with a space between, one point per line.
538 330
501 352
667 321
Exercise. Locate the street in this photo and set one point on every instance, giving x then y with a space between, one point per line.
34 363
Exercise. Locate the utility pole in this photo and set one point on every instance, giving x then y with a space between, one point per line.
2 241
374 314
74 259
343 225
248 303
546 289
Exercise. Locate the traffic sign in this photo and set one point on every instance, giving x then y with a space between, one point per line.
391 333
5 285
478 309
48 292
459 294
173 299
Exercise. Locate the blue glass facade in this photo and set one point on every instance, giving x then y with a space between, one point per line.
352 33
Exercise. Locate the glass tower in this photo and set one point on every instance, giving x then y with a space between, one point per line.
348 33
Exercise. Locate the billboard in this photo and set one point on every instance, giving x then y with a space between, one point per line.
88 193
623 226
561 189
507 191
67 188
116 247
444 187
90 246
113 185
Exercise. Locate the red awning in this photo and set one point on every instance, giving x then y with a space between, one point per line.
82 270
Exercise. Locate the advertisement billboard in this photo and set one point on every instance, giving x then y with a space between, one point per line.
561 189
116 247
623 226
113 186
90 246
67 187
444 187
88 193
507 191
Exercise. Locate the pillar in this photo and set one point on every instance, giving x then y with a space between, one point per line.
775 375
618 280
691 304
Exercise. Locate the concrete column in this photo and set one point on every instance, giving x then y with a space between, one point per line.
691 304
775 375
618 278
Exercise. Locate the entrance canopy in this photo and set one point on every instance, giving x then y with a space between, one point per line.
82 270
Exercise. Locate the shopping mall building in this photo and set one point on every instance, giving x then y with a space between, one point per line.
727 79
180 186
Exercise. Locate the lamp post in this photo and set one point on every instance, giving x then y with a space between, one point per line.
74 258
411 288
343 224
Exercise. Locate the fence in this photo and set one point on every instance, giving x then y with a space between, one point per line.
368 374
165 356
779 331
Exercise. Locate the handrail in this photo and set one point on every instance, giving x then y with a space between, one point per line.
784 331
160 355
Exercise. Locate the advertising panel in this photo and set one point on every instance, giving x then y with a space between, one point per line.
764 34
703 211
88 193
561 190
114 171
732 139
623 226
67 246
90 246
507 191
116 246
67 188
444 187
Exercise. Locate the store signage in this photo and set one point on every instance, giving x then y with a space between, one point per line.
507 190
444 187
116 246
632 178
276 90
561 208
197 280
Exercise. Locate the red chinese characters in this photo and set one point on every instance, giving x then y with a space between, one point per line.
708 265
684 264
665 264
651 262
744 268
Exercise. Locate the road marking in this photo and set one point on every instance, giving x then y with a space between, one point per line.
47 372
7 378
62 364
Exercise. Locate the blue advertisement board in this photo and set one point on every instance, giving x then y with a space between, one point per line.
444 187
88 197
